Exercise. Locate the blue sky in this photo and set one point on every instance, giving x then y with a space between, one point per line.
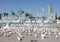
36 7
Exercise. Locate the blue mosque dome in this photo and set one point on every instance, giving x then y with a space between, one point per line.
20 11
11 12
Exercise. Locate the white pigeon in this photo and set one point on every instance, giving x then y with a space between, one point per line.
36 35
59 33
56 36
34 29
20 35
30 34
8 34
43 36
49 33
1 33
5 34
38 32
18 38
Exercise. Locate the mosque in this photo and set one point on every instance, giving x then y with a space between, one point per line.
26 18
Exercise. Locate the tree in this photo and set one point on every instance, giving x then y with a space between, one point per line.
35 19
27 14
0 16
43 18
31 18
56 16
5 14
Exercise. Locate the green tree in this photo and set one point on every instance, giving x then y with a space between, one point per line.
43 18
56 16
31 18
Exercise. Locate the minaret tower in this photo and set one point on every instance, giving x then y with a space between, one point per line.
50 12
50 9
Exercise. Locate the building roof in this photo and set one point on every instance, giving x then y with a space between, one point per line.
20 11
11 12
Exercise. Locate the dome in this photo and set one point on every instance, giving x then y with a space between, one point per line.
11 12
20 11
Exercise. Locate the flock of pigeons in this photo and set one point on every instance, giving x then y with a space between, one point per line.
7 31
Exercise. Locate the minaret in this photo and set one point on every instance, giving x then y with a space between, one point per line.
50 11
